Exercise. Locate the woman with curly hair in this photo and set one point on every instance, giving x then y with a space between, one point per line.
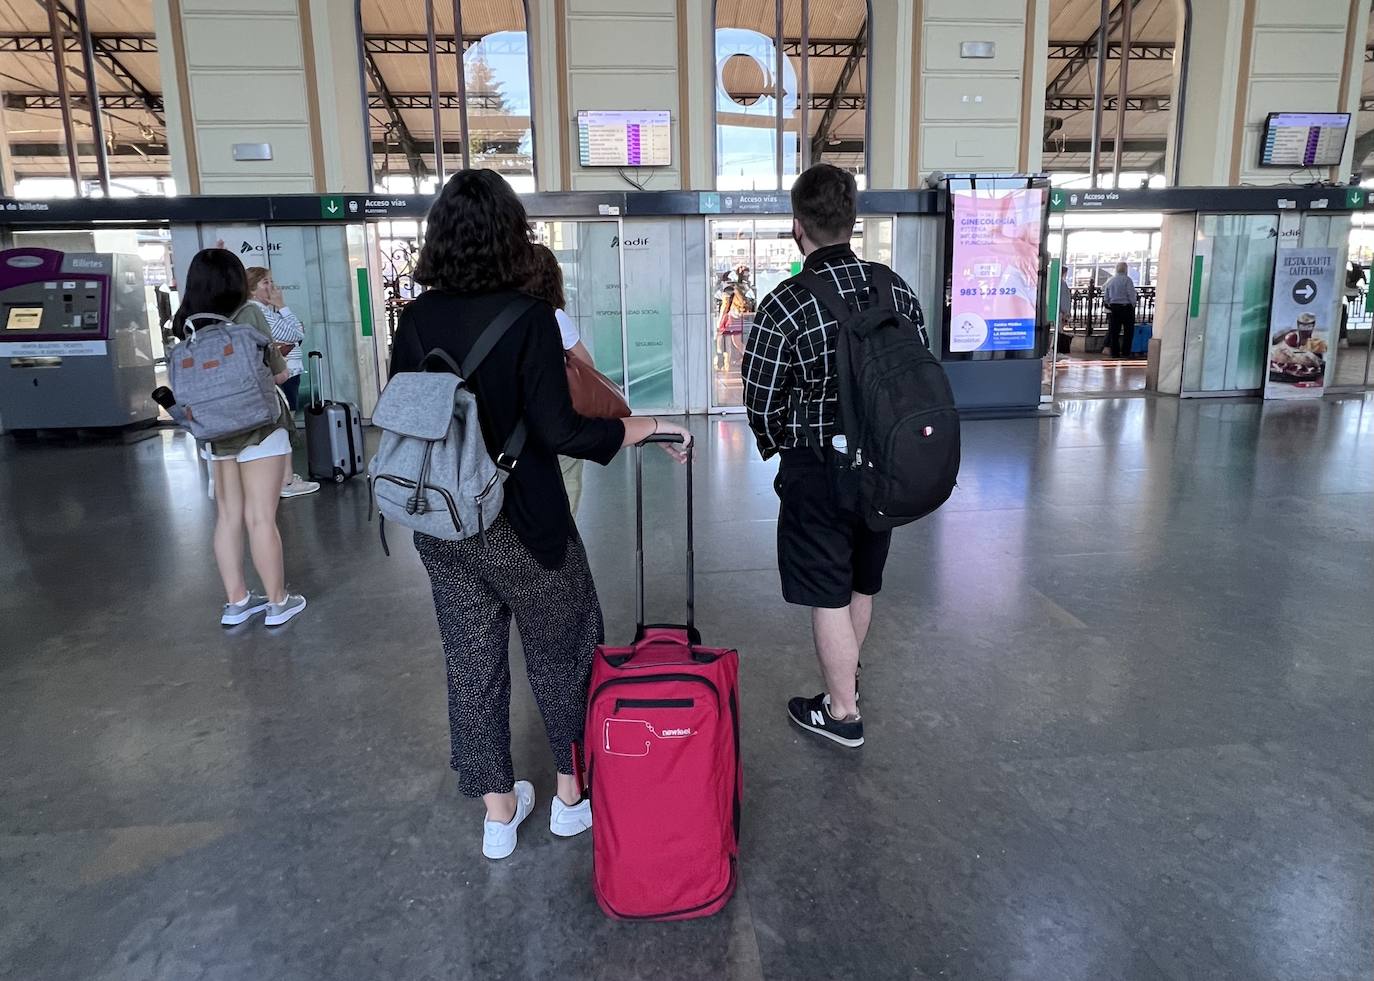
477 259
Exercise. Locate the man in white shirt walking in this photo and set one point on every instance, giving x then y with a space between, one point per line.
1119 295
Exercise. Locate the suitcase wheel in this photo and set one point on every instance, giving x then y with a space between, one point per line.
339 475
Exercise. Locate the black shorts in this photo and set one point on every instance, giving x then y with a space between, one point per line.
824 554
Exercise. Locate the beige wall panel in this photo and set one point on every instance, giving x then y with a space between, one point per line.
971 99
1293 95
249 96
1287 52
964 148
290 150
1303 13
975 11
242 7
238 42
889 104
622 90
941 47
230 184
665 7
622 42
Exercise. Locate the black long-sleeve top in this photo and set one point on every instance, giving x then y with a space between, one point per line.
524 375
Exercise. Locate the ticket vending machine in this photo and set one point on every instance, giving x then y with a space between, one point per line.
75 348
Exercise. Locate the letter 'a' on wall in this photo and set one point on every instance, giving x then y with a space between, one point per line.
492 106
791 90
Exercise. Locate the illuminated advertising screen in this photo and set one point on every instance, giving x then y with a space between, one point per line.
994 269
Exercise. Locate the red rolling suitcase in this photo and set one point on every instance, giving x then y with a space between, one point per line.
663 760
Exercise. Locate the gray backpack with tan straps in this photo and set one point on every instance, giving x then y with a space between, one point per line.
220 379
432 472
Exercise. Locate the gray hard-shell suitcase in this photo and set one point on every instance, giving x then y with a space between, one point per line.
333 436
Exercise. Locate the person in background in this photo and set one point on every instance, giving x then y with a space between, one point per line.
1354 280
1119 295
287 330
266 311
477 259
247 467
547 285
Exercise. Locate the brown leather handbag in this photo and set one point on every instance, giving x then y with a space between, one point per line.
593 394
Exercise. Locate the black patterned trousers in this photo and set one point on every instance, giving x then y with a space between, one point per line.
477 590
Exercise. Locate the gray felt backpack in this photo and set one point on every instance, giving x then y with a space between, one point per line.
432 472
220 379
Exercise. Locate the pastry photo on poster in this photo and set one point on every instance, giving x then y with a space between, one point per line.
1302 314
995 263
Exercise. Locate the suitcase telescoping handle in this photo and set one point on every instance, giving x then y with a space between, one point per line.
639 538
316 393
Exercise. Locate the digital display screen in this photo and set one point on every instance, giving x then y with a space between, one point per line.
630 138
24 318
995 269
1303 139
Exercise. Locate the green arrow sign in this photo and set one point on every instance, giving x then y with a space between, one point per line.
1059 201
1354 197
332 206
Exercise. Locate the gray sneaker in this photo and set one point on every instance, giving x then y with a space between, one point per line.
236 613
279 613
298 486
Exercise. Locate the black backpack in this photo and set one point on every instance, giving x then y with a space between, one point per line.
896 408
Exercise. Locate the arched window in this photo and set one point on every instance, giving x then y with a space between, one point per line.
791 89
418 103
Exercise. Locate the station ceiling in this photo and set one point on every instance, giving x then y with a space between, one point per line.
128 74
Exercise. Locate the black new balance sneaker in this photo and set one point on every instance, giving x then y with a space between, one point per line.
813 714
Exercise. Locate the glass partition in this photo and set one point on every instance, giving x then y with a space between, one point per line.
749 257
589 254
1224 350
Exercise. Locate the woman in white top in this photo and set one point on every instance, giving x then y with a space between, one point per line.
287 330
288 333
547 285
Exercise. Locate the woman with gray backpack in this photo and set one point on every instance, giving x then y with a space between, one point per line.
224 377
525 559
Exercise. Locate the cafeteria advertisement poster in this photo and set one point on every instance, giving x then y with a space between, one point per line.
995 268
1302 320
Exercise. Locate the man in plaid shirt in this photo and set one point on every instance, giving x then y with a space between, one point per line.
828 559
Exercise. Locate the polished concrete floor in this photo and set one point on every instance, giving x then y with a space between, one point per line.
1119 699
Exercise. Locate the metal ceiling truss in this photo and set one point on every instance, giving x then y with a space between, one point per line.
397 123
1086 103
18 42
1087 50
832 107
107 56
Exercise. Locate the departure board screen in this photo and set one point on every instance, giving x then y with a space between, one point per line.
1303 139
629 138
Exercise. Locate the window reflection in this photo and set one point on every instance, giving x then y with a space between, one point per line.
796 65
493 103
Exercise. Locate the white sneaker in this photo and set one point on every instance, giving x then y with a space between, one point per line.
298 486
565 821
498 840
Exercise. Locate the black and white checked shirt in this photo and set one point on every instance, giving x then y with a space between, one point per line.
791 352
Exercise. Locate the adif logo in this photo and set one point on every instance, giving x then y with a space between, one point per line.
248 246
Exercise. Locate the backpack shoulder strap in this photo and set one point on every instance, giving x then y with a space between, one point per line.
494 331
823 289
882 281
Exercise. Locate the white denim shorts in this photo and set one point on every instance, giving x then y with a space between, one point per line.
277 444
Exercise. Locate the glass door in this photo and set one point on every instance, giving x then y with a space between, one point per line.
749 257
1224 351
589 254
